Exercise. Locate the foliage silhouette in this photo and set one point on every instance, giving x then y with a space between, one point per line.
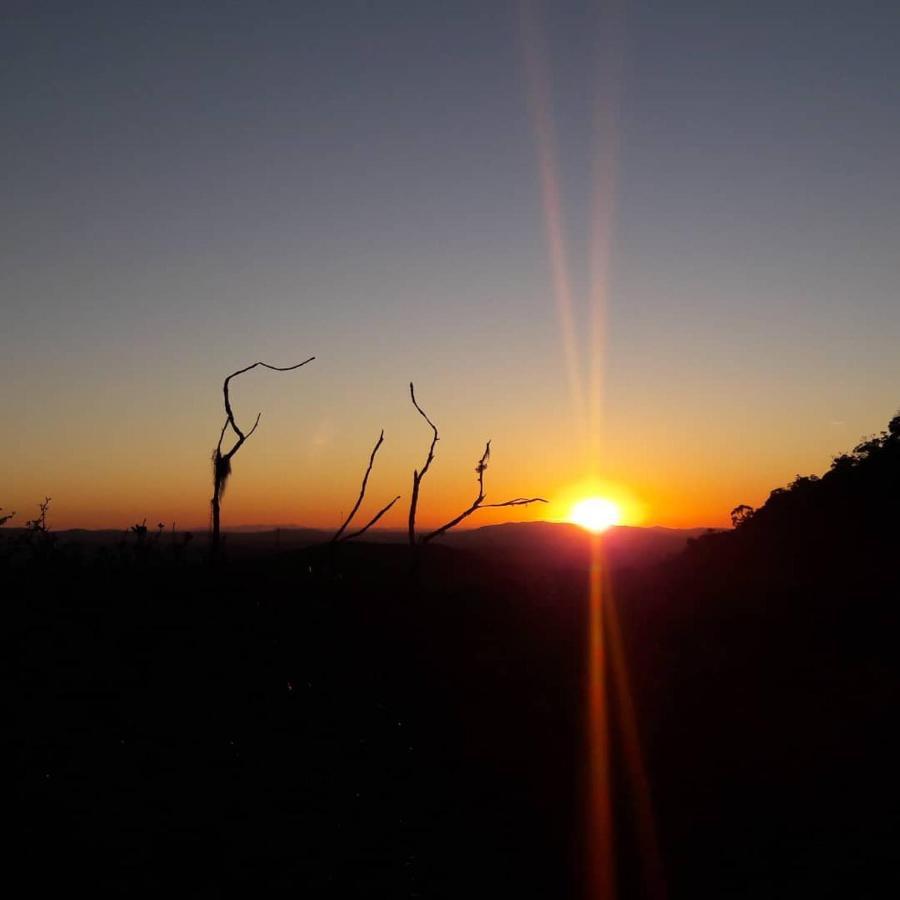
851 503
740 514
764 665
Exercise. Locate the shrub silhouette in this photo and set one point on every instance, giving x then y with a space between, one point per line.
39 524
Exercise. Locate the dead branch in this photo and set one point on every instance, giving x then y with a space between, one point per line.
371 522
362 493
229 413
419 475
222 460
479 503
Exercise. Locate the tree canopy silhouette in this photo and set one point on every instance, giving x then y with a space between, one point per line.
852 507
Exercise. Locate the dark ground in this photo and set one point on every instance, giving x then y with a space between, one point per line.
329 726
342 732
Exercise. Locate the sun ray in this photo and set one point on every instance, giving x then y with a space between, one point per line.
600 862
539 97
603 199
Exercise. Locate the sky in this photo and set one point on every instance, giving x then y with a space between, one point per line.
647 249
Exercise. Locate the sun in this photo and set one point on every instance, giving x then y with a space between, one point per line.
595 514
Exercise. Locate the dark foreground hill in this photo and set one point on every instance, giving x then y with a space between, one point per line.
766 670
326 724
293 723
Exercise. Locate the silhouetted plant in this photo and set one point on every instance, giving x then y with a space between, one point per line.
741 514
3 520
38 533
139 531
222 459
853 501
39 525
477 503
362 493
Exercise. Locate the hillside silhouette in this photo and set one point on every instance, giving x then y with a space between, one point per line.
317 719
851 509
765 664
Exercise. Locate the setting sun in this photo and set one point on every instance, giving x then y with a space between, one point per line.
595 514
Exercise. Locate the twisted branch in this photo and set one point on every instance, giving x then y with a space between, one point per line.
229 413
222 460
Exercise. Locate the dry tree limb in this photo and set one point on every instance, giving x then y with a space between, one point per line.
362 490
371 522
229 413
479 503
222 459
419 475
362 493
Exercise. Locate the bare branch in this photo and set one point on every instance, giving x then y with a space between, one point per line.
230 413
519 501
222 460
222 437
479 503
255 425
362 490
419 475
371 522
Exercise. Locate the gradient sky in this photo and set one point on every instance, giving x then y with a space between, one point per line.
186 192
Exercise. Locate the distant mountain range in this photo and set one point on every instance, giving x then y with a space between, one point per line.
566 544
527 543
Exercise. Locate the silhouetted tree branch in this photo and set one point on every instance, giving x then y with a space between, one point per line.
39 525
479 503
222 459
7 517
419 475
362 493
371 522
